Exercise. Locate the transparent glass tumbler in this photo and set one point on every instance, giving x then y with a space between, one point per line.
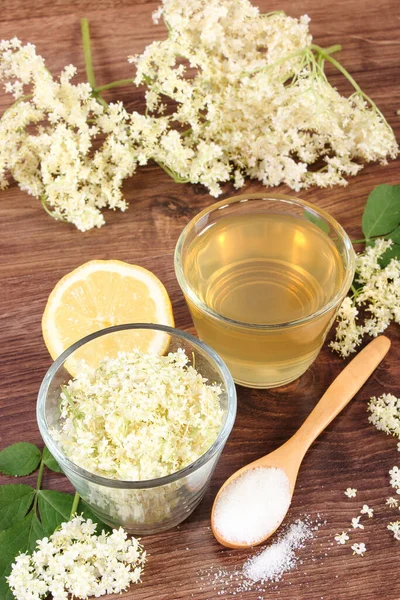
250 267
150 506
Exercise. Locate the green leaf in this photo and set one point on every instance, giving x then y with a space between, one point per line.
20 537
394 236
382 211
15 500
313 218
85 510
19 459
55 508
50 461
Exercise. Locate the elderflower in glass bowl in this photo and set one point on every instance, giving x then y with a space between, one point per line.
138 435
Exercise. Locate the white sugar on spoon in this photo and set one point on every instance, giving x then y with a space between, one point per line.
265 493
253 502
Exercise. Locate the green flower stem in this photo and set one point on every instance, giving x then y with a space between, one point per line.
49 212
331 49
272 13
322 53
27 97
101 101
355 292
374 237
75 505
275 64
87 52
327 56
177 178
113 84
38 483
44 204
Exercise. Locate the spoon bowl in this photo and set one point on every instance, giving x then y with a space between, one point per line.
289 456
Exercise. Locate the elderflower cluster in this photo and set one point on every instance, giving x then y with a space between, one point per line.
395 478
385 414
158 506
378 295
251 98
138 416
76 562
62 145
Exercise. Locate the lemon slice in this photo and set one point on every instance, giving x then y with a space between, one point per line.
99 294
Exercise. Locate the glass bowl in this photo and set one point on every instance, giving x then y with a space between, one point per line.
153 505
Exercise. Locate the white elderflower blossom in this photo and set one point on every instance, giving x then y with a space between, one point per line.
394 527
378 294
341 538
392 502
348 334
75 562
355 523
366 510
138 416
350 492
359 549
49 139
395 479
385 414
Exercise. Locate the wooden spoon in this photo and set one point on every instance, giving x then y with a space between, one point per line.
290 455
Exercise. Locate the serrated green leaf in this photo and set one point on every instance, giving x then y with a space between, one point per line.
54 508
19 459
15 500
50 461
20 537
382 211
86 511
313 218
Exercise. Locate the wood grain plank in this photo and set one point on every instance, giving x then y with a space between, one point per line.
186 562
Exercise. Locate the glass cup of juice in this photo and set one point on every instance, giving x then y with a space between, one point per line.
263 276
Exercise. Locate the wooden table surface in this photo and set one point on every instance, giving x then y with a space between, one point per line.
187 562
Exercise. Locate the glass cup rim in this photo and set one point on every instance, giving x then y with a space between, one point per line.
319 212
145 483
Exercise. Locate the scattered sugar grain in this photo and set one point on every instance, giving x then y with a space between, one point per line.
234 581
280 557
253 505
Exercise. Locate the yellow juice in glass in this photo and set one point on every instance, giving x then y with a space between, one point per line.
263 279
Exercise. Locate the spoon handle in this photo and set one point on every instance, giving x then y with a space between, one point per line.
341 391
